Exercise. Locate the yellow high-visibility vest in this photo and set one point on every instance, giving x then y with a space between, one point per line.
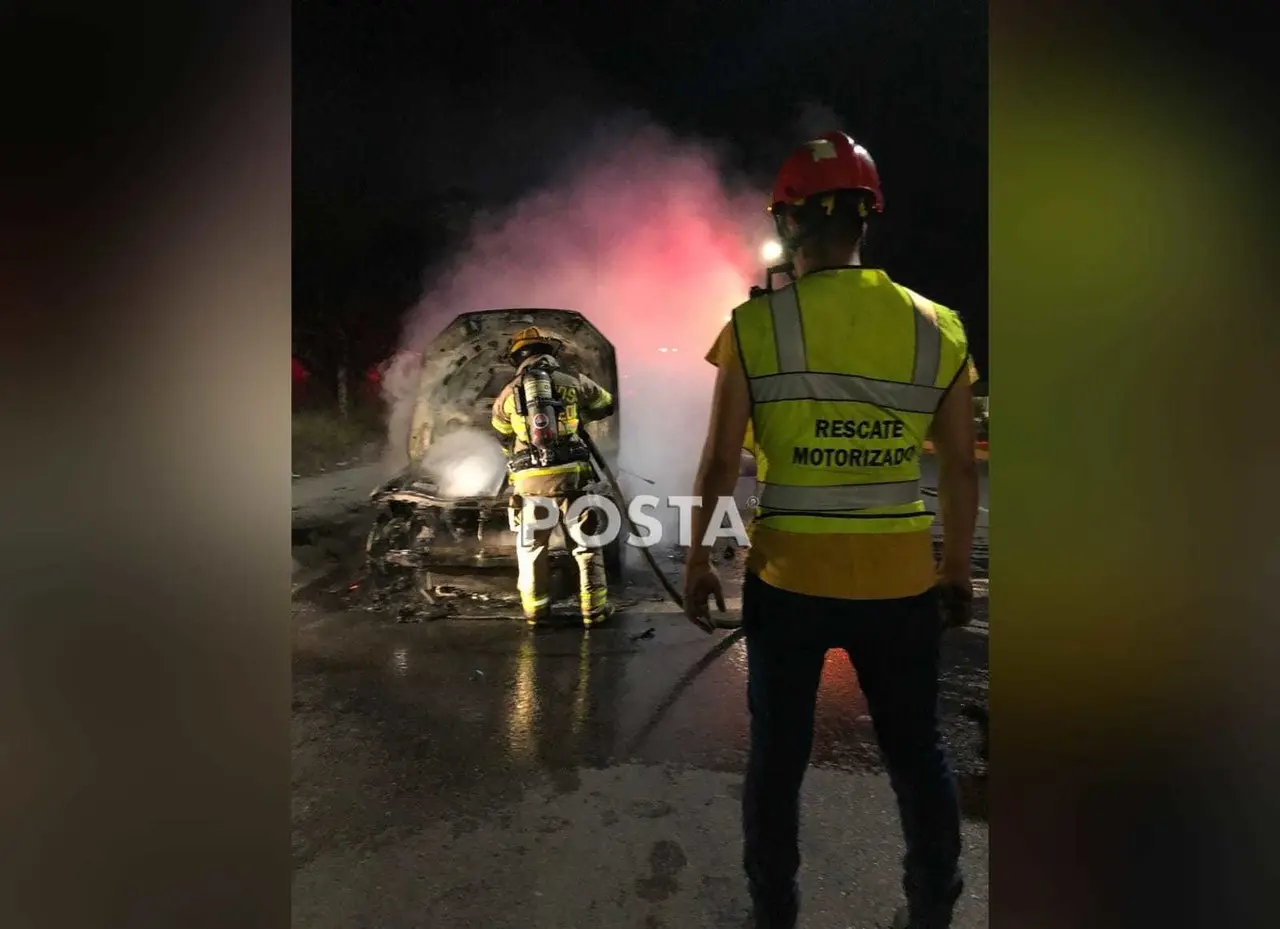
846 370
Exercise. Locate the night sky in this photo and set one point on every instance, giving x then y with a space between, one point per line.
396 108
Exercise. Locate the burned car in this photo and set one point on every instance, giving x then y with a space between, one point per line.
444 518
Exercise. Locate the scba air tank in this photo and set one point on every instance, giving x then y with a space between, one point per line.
540 401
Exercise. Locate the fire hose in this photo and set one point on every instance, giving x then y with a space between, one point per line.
604 469
703 663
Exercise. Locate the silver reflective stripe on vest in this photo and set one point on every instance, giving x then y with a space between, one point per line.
788 330
798 498
928 346
812 385
796 382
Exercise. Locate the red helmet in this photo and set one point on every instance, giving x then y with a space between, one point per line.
832 162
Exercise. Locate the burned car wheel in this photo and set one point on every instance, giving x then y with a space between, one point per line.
390 559
391 531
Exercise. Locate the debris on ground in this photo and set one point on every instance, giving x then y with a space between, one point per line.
382 565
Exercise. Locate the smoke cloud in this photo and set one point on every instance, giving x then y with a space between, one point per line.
643 237
817 119
465 463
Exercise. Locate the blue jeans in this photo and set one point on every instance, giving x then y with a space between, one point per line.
893 645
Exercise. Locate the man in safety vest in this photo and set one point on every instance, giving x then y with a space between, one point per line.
537 414
843 374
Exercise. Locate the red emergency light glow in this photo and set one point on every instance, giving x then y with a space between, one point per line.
648 244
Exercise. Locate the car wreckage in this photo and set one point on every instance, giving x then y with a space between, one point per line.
444 520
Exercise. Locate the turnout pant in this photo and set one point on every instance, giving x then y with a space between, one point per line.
893 645
533 551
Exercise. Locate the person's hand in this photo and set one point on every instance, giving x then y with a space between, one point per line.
700 583
955 597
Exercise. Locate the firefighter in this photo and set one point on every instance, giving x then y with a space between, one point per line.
537 414
843 374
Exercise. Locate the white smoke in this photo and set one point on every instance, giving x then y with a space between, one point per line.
465 463
643 238
817 119
399 390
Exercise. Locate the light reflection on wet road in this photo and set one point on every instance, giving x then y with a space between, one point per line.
470 773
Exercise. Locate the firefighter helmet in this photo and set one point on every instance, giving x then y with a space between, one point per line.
533 338
833 162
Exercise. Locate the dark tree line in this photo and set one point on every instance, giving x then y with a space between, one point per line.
356 269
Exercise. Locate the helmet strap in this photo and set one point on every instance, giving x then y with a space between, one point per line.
789 241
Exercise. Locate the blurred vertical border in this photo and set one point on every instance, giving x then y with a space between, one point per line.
1133 338
144 583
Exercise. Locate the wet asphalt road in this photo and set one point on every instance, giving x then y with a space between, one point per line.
468 773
